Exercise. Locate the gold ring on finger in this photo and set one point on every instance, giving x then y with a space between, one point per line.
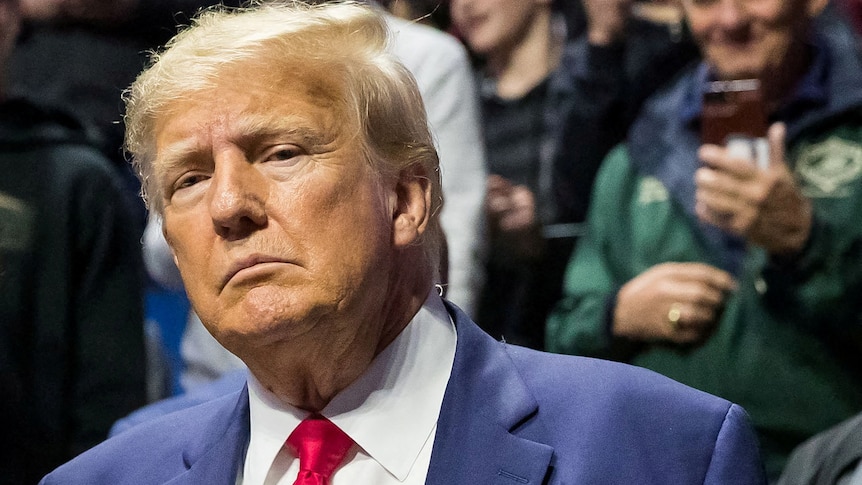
673 315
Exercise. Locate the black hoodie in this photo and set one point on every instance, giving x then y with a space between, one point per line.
71 285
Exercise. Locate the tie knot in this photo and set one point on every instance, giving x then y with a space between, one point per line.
320 445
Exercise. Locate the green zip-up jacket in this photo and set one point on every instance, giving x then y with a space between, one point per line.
787 347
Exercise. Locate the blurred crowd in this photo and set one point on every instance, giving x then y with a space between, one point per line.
586 211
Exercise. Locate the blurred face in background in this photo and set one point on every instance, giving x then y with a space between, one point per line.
750 38
493 27
9 26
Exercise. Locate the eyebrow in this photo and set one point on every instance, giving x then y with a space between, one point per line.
175 156
257 128
245 131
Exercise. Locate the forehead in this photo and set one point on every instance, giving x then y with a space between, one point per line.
247 101
780 8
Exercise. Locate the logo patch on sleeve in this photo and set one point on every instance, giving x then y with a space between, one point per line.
827 168
16 224
651 190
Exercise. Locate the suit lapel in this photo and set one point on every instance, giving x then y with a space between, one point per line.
215 458
485 404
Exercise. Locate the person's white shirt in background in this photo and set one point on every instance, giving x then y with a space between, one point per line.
442 69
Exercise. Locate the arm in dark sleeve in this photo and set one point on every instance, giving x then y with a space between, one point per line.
592 125
581 321
108 352
608 86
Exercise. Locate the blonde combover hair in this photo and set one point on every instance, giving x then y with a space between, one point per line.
346 41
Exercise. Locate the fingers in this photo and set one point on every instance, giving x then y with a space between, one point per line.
497 195
727 212
698 293
511 207
764 206
723 185
776 136
730 192
716 196
690 323
701 295
693 315
677 302
690 335
521 213
720 159
497 184
710 276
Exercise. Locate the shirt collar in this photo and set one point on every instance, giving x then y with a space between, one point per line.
391 410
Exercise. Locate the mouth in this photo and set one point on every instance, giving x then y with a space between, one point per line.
737 39
740 45
248 265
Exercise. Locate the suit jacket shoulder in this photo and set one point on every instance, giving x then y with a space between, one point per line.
509 415
200 444
531 417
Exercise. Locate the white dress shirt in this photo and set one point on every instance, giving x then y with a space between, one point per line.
390 412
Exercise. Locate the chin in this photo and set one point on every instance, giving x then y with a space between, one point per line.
729 63
737 72
480 45
247 331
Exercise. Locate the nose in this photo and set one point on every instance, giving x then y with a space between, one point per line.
730 14
238 193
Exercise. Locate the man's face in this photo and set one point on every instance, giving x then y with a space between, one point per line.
491 27
743 39
278 224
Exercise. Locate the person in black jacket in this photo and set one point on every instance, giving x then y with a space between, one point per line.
831 457
71 306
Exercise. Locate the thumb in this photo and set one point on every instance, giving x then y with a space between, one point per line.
776 136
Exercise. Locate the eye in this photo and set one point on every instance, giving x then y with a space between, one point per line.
282 153
189 180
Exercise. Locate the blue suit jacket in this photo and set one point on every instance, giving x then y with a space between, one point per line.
510 416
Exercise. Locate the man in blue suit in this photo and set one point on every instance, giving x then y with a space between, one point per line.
288 154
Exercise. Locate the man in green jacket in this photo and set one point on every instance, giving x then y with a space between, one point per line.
738 280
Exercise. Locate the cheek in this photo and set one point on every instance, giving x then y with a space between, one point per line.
332 217
700 32
457 9
775 46
351 226
700 25
360 223
187 237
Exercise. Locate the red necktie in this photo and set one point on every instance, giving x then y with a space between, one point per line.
321 447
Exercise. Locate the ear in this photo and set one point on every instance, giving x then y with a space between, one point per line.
412 208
